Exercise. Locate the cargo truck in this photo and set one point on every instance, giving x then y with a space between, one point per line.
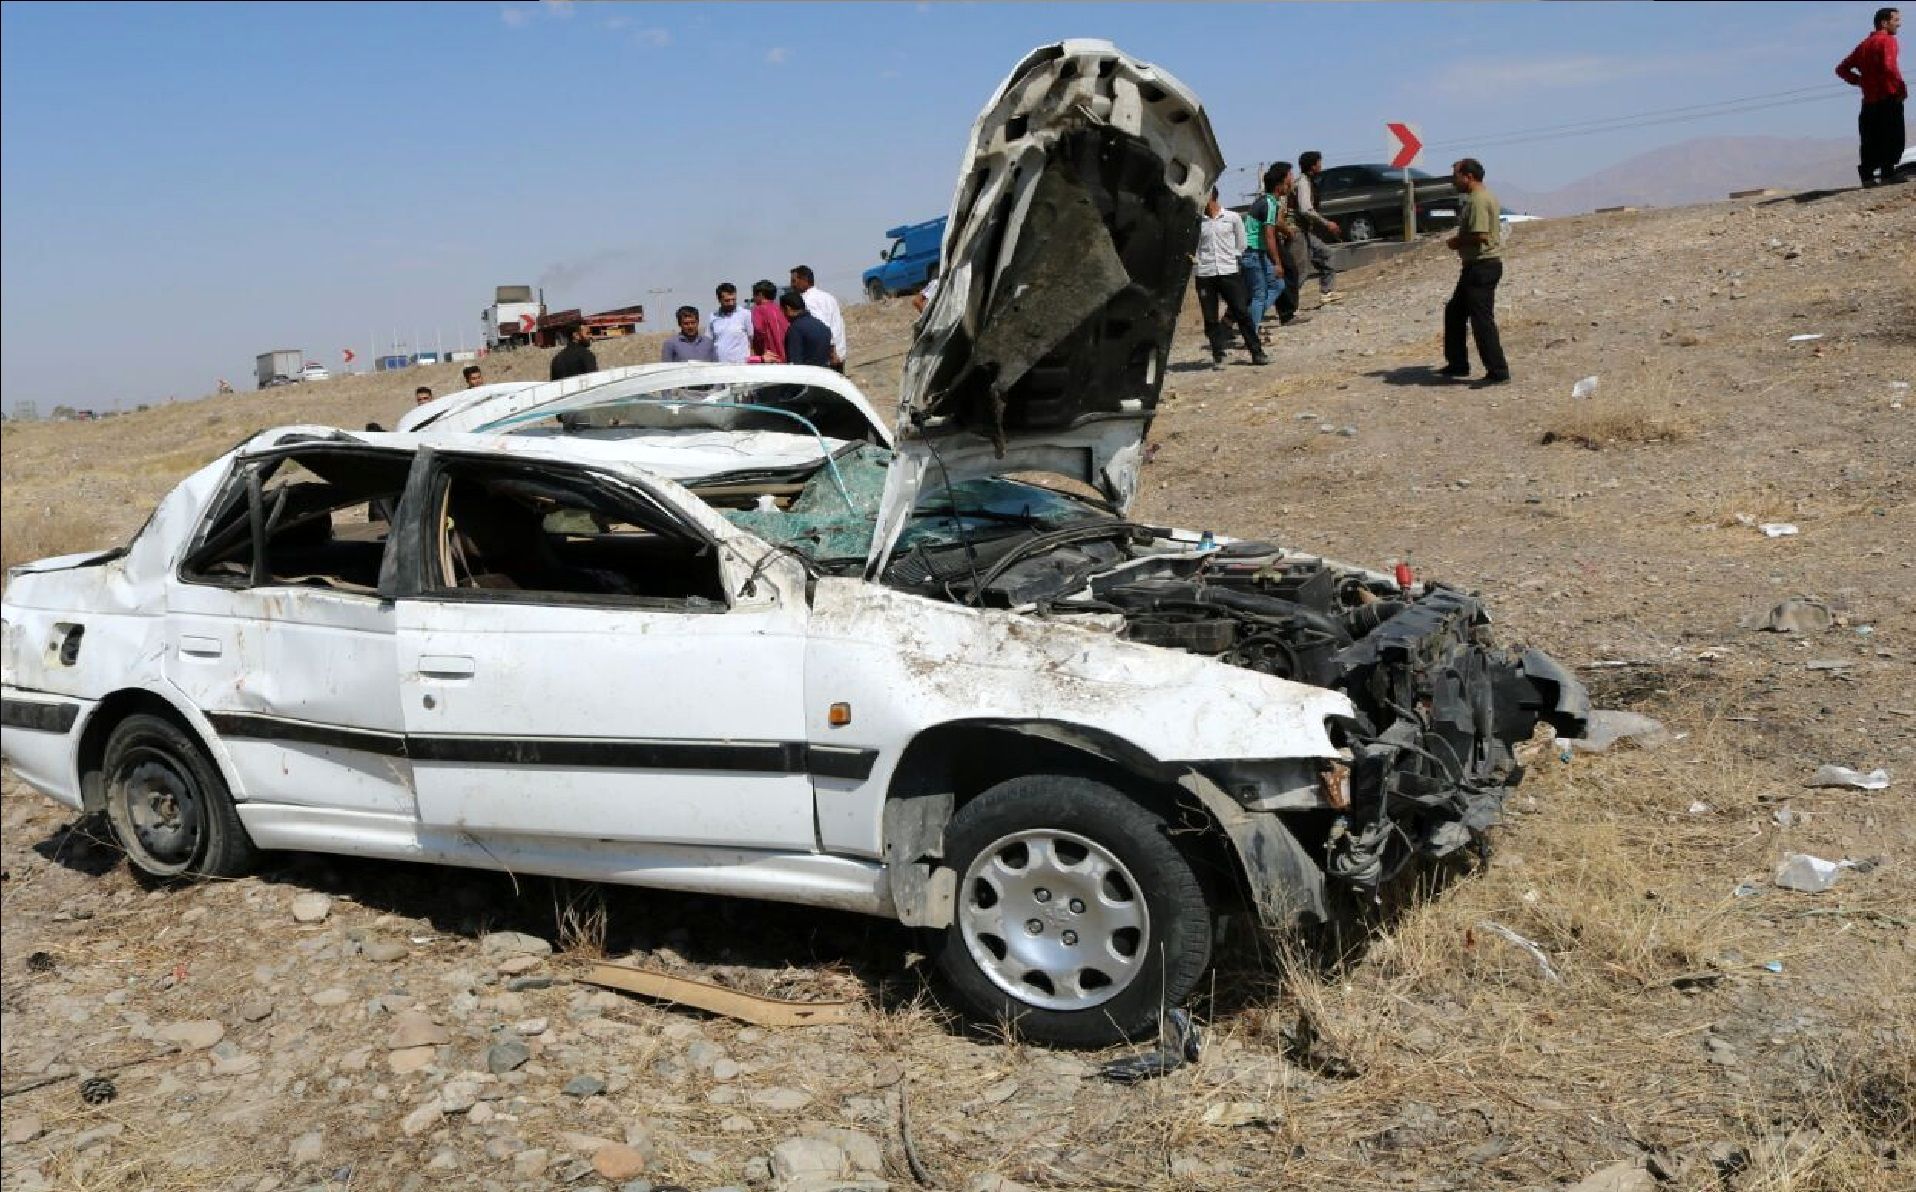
513 318
281 366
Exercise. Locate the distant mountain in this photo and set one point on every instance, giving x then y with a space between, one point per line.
1701 170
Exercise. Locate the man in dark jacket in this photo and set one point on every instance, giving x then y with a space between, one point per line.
807 340
576 358
1872 67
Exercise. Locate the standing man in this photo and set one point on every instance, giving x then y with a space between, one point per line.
1258 265
1319 232
807 340
421 396
576 358
690 343
1221 245
731 327
1872 66
768 324
1288 245
1479 245
823 305
474 378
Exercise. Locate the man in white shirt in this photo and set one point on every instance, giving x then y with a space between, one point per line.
1221 242
824 308
731 327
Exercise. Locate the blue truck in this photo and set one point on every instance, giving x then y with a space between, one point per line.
910 262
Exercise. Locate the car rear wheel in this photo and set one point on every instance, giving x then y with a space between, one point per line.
1362 228
875 290
168 806
1077 919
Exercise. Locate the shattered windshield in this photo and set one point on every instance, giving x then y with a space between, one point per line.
990 504
828 517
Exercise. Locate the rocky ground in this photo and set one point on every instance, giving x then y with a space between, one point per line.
1685 1022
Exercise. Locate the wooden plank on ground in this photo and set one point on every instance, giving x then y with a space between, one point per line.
717 999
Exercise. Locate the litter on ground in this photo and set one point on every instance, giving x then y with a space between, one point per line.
1843 776
1807 874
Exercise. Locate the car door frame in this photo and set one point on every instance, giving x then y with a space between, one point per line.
465 779
351 744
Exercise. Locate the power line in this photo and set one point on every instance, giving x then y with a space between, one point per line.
1649 119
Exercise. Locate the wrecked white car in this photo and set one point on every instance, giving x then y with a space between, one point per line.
725 629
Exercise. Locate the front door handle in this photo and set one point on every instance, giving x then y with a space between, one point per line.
446 666
200 647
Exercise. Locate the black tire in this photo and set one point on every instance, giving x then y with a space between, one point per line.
1167 956
168 806
875 290
1361 227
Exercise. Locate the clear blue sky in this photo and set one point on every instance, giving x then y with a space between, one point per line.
183 186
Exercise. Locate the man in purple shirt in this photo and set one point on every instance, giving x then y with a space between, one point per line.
690 343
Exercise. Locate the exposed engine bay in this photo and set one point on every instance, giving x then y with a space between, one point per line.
1440 708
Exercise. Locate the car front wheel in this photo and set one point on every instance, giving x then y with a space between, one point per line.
1077 919
168 806
875 290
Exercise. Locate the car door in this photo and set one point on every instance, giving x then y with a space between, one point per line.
572 664
276 631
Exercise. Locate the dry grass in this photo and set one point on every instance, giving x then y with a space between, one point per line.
1627 409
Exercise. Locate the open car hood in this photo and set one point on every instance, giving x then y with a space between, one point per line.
1066 259
634 401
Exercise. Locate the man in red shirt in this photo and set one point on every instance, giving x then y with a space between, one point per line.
1872 66
769 325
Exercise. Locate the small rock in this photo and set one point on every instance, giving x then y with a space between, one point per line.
481 1114
522 984
503 1057
801 1158
257 1009
990 1182
307 1148
411 1059
726 1070
332 997
513 943
618 1162
386 951
421 1119
513 965
458 1096
1627 1176
861 1150
528 1027
416 1029
21 1127
704 1054
444 1160
583 1086
312 908
784 1100
738 1123
646 1185
192 1036
531 1164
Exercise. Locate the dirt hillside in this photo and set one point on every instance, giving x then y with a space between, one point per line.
1683 1023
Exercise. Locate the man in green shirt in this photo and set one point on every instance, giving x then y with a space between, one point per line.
1479 244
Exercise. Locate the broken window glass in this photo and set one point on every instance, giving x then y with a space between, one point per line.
318 518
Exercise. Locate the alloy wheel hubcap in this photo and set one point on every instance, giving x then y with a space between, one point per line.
1054 919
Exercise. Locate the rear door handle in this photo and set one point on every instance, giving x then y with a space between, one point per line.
200 647
446 666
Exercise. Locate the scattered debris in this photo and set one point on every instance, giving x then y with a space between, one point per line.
1183 1043
1585 388
1605 729
1807 874
1778 530
40 962
1772 966
1700 808
716 999
1803 339
1788 817
1233 1115
1696 982
1627 1176
1746 890
1530 946
1843 776
1799 614
99 1090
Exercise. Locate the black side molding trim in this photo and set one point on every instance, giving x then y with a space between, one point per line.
247 726
586 753
40 717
